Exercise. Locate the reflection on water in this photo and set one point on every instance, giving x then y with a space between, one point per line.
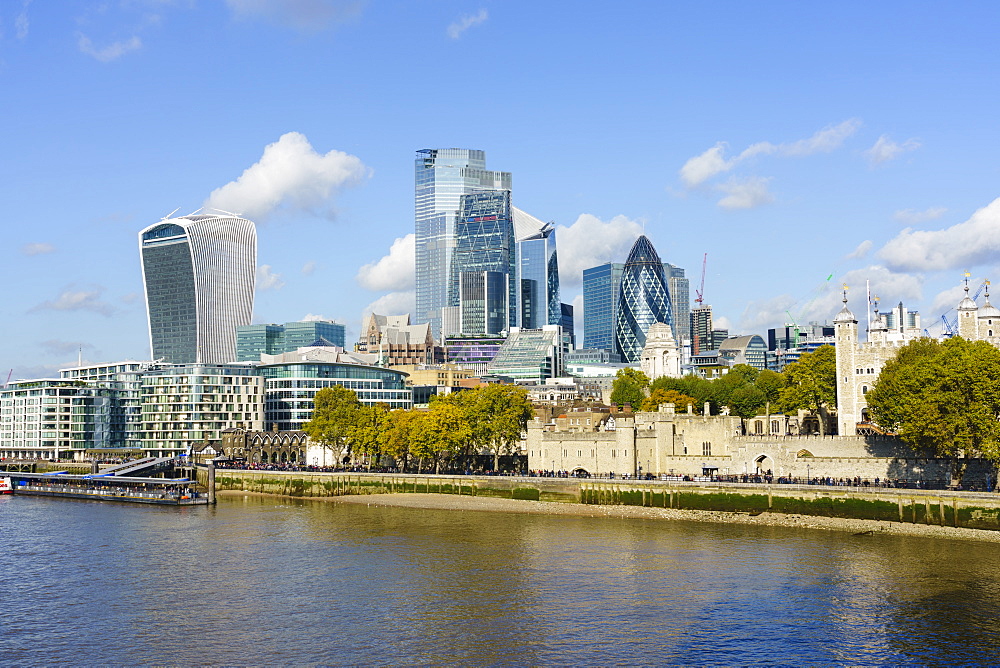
266 581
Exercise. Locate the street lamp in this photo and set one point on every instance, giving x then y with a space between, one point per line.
808 477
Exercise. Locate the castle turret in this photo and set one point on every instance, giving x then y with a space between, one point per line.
967 323
989 318
846 331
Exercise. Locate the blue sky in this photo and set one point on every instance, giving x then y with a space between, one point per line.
792 142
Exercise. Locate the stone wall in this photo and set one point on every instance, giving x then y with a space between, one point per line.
684 444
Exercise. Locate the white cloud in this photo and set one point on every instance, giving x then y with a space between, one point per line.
289 174
885 150
394 303
40 248
312 317
761 315
110 52
77 300
267 279
713 162
914 217
702 167
589 242
962 246
861 251
309 268
745 193
825 141
889 286
21 21
394 271
467 21
306 15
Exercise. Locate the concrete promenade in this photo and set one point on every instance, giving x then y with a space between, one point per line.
977 510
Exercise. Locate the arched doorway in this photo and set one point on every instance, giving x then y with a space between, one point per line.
765 465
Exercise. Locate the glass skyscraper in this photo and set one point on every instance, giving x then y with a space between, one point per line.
600 305
198 275
483 264
643 299
537 275
442 177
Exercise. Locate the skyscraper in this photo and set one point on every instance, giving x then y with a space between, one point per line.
198 276
600 305
537 275
483 264
254 340
642 301
441 178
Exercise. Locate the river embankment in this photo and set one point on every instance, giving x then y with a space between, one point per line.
728 501
453 502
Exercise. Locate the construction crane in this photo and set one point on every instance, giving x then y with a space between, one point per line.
700 291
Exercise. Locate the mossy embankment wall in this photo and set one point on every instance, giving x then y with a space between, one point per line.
964 509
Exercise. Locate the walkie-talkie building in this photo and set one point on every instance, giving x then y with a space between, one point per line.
198 276
642 300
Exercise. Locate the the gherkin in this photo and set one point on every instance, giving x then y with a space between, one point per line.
642 300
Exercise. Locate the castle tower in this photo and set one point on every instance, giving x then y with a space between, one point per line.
846 333
967 324
989 319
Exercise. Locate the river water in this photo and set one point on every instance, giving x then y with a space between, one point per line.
274 581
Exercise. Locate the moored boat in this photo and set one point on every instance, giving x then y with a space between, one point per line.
5 486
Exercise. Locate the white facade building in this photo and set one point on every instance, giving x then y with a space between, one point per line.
198 275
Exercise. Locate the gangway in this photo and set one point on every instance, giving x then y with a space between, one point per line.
145 465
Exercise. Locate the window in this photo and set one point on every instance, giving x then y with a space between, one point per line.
706 449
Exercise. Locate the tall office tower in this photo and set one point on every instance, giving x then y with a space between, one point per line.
642 301
701 329
600 305
680 301
198 276
483 303
442 176
252 341
483 266
537 275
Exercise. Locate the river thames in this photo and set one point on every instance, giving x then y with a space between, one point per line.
275 581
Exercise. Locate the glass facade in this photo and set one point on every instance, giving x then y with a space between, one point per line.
643 300
483 302
600 305
472 352
254 340
186 404
198 274
532 355
53 419
290 389
537 275
441 178
484 264
680 301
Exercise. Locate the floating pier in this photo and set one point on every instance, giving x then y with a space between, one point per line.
115 484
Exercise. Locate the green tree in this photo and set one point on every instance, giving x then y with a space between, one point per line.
942 398
441 432
811 384
498 416
691 385
367 433
335 410
629 387
400 430
660 396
